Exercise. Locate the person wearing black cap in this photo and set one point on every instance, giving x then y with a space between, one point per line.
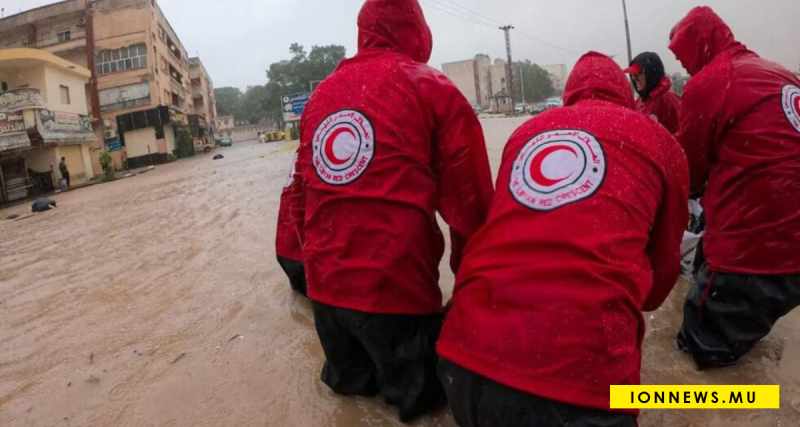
656 98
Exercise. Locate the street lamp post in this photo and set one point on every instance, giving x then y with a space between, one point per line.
627 31
522 83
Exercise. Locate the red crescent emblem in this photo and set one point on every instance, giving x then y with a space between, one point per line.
797 105
329 146
536 165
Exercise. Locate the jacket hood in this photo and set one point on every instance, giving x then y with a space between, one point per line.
699 37
596 76
652 66
397 26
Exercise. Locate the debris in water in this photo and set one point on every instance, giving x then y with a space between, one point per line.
43 205
91 358
219 157
235 337
177 359
10 217
93 380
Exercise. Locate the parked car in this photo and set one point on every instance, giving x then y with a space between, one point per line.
554 102
225 141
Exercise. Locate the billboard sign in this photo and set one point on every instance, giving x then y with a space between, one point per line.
293 106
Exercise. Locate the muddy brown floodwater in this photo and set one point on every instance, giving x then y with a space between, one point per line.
156 301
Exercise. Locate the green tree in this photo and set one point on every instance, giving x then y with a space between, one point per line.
254 105
287 77
228 100
538 84
296 75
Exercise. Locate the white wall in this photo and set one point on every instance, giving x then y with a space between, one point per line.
140 142
55 78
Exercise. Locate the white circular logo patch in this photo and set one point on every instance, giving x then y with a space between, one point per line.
791 105
344 145
557 168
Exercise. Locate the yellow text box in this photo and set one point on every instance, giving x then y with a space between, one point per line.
696 397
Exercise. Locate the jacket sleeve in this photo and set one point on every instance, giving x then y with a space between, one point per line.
462 166
701 124
291 219
670 112
665 239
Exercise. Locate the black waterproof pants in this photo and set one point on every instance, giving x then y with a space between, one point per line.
479 402
390 355
296 273
725 315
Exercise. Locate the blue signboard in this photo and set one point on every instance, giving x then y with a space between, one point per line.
113 144
299 104
293 106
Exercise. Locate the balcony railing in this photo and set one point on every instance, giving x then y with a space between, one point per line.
17 100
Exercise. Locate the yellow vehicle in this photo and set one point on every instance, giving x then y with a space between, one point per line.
273 136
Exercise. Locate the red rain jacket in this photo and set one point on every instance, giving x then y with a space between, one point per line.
662 104
583 234
386 143
740 129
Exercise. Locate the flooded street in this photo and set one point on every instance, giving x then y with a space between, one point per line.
157 301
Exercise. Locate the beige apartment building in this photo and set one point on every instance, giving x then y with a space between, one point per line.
204 105
44 117
140 90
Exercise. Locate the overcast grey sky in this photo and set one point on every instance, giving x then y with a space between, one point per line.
238 39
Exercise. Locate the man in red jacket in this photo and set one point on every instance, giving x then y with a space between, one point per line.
386 143
583 234
656 98
740 129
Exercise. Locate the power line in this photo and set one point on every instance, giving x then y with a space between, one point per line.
471 11
449 10
455 9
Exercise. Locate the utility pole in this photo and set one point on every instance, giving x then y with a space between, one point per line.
627 31
509 71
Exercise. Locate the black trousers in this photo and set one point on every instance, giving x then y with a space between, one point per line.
725 314
479 402
296 273
390 355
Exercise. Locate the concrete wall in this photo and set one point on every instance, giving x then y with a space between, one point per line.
169 136
141 142
75 162
462 74
33 78
54 79
498 76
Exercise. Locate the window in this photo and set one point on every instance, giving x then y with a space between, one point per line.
123 59
64 91
64 36
3 87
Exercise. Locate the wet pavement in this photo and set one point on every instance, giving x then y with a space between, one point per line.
156 300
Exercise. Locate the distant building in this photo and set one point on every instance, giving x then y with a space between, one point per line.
224 124
480 80
558 75
140 90
44 117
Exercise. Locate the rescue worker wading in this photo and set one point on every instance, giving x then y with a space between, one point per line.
386 143
740 129
656 98
583 234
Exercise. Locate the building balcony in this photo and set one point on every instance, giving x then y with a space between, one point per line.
42 107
